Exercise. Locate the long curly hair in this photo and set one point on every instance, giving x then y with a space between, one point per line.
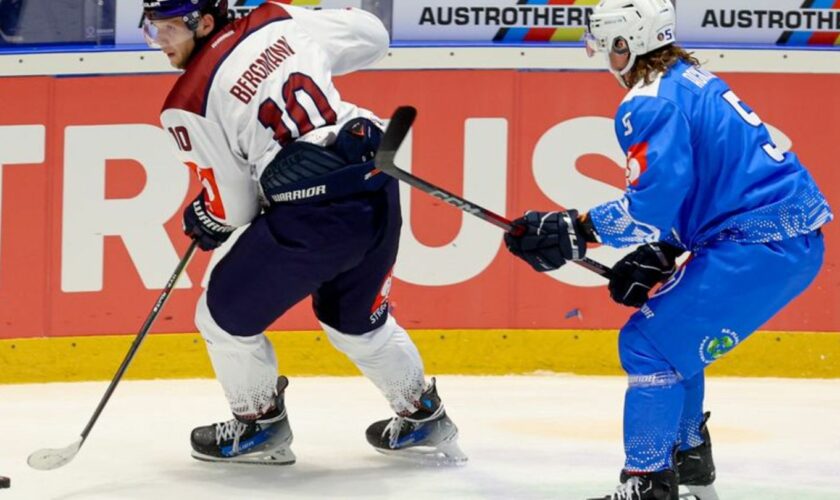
659 61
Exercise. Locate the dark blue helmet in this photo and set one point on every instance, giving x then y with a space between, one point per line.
188 10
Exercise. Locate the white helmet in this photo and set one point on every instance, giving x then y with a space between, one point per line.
645 25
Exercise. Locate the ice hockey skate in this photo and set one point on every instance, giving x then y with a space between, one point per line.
264 441
660 485
696 468
426 436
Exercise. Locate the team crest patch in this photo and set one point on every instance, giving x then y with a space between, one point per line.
715 347
636 163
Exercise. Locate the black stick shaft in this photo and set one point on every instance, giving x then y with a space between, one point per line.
397 129
147 325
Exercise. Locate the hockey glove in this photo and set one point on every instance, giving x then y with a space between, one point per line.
640 270
549 239
357 141
202 227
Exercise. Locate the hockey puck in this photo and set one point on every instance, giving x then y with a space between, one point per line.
5 482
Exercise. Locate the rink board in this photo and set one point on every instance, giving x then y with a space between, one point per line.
466 352
92 198
90 227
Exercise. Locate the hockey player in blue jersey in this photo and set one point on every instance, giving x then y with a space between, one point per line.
704 177
257 117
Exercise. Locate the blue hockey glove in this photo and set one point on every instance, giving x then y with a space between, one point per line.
202 227
548 239
640 270
357 141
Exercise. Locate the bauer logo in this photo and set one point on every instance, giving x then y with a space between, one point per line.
713 348
778 22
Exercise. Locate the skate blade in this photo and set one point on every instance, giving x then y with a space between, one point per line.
282 456
699 493
448 453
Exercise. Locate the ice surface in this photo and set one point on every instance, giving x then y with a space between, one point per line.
528 437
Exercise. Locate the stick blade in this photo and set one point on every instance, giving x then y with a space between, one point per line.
49 458
397 129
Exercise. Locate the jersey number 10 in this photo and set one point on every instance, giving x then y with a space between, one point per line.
753 119
271 115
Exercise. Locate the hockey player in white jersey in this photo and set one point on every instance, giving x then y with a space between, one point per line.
256 116
703 176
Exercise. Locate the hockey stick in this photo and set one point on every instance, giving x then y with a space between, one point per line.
49 458
398 127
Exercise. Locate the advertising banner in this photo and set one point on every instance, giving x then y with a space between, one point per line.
491 20
92 197
772 22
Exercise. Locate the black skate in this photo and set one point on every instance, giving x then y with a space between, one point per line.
265 440
660 485
696 468
428 435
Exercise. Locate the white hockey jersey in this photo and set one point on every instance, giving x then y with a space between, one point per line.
260 83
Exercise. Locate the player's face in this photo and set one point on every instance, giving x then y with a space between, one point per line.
173 37
619 55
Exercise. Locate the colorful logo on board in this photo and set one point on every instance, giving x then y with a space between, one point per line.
788 22
823 16
565 19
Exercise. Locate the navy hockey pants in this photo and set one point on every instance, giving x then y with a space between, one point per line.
340 251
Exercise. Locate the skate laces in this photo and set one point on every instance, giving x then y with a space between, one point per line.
627 489
232 429
395 425
392 430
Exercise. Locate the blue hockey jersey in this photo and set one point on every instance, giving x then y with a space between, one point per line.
701 167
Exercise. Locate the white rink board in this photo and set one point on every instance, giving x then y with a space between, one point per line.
534 437
533 57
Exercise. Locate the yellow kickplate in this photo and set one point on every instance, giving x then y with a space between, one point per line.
468 352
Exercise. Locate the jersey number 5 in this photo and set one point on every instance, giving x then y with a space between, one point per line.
753 119
271 115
